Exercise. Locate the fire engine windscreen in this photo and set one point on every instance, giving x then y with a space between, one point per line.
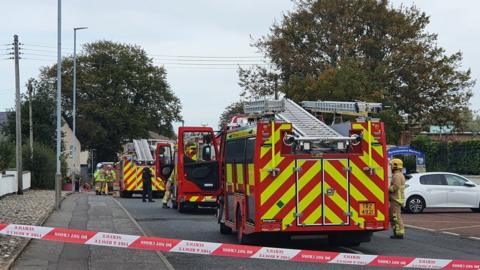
199 158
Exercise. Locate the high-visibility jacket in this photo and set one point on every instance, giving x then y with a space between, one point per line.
99 176
110 176
397 187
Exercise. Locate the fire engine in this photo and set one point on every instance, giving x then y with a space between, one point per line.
286 173
194 163
136 156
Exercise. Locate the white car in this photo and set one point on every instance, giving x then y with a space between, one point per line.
440 189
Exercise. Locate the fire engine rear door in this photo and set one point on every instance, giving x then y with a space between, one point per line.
309 192
336 204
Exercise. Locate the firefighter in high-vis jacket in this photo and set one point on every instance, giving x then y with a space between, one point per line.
397 198
109 178
99 177
169 185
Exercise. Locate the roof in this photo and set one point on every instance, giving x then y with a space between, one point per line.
156 136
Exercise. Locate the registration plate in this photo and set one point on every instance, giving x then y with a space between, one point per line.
367 209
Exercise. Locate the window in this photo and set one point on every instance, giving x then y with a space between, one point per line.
250 150
165 155
433 180
198 147
453 180
235 151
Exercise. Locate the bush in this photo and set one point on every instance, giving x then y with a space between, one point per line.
7 155
457 157
42 166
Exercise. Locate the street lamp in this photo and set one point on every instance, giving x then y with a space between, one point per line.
59 90
74 135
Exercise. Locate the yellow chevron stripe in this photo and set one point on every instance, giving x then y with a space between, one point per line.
303 181
193 198
240 178
277 182
264 171
378 169
315 193
369 137
264 150
338 200
288 219
334 219
287 196
251 178
229 170
367 182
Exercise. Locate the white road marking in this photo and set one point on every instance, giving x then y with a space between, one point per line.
450 233
474 238
463 227
419 228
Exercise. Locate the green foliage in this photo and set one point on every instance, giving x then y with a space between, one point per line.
363 50
42 166
230 111
7 155
458 157
121 95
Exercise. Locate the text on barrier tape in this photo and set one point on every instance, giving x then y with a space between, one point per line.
228 250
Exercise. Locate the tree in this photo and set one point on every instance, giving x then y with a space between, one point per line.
121 95
43 115
230 111
365 50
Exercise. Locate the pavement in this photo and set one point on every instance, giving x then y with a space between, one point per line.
201 225
31 208
88 212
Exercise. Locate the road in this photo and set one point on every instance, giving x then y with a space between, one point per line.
201 226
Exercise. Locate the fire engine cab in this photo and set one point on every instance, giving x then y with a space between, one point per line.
193 167
286 173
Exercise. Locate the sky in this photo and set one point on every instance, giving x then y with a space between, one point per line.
200 43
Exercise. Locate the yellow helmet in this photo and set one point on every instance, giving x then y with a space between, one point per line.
396 164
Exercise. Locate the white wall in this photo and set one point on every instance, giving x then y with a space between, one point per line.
8 182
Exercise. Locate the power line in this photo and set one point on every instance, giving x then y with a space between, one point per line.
208 56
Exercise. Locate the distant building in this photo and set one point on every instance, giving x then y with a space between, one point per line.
447 134
82 156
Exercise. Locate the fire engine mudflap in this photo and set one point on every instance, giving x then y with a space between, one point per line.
286 177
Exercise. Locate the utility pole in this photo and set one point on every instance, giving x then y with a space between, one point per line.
58 174
30 89
18 117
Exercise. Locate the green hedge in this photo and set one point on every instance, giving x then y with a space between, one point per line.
43 166
457 157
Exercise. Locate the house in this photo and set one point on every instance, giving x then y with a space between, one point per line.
73 165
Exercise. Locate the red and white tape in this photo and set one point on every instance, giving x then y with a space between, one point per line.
228 250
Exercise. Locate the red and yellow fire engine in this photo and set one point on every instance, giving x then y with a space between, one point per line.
285 172
136 156
193 165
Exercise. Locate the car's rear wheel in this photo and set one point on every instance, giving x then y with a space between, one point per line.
476 210
415 204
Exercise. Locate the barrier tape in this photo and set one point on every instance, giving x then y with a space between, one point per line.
227 250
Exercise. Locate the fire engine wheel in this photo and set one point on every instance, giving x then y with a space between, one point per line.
174 205
125 194
241 237
224 229
182 207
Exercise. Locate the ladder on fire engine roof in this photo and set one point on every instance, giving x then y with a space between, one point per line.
339 107
142 150
304 123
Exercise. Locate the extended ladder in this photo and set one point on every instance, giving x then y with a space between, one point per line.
339 107
142 150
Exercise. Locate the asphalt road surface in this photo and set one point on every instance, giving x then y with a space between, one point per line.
201 225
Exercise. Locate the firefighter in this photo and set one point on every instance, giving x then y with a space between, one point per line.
147 184
99 178
169 188
191 151
109 178
397 198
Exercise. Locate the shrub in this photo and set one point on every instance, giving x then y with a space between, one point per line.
42 166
